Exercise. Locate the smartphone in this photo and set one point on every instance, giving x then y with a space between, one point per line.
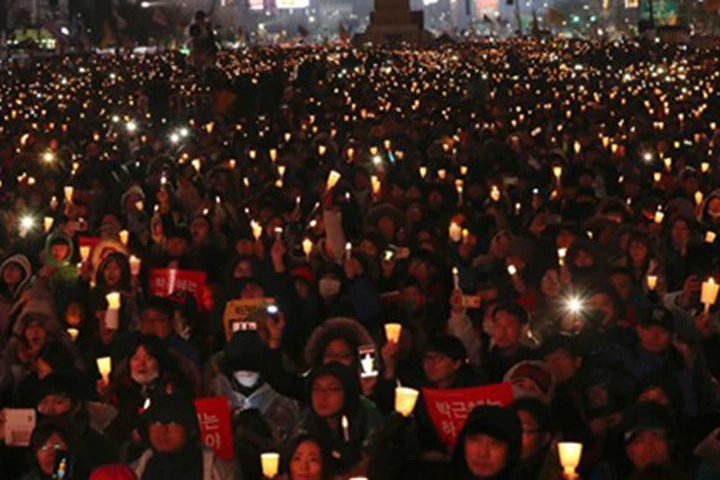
471 301
272 310
368 361
63 466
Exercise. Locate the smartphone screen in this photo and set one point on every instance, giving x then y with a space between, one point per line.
244 326
368 361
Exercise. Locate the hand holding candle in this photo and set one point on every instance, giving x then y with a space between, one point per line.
569 453
135 264
112 321
104 365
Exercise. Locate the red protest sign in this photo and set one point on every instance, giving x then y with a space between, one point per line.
88 241
449 408
165 282
215 429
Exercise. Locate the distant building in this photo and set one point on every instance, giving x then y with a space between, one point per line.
35 13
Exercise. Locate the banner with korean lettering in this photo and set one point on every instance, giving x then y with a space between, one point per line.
215 427
165 282
449 408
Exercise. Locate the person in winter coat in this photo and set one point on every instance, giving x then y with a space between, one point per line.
171 429
56 447
340 418
19 290
538 433
235 373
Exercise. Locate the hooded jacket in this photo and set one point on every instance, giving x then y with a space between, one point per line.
67 273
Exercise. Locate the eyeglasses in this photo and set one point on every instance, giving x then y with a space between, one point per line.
53 446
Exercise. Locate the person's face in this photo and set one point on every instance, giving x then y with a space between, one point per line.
419 271
656 395
306 462
36 335
485 456
302 289
176 247
155 322
603 303
60 251
562 365
550 284
653 339
328 396
439 368
243 269
244 247
112 273
638 251
680 233
252 290
74 315
47 453
648 448
532 437
12 274
142 363
506 330
339 351
584 259
200 231
54 405
368 248
167 437
622 284
386 226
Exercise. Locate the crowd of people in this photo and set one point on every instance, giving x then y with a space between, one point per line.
542 213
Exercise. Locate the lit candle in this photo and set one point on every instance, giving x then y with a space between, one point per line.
53 203
197 164
104 365
273 154
321 150
456 278
455 232
704 167
69 193
231 163
569 453
659 216
668 163
270 464
405 400
557 172
307 246
392 332
346 428
709 293
423 172
495 193
257 229
73 333
111 315
47 223
332 180
710 236
84 253
376 185
465 235
562 253
442 173
657 176
348 250
698 197
459 184
135 264
652 282
124 237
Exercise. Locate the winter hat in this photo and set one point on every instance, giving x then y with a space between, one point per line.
173 409
243 352
447 345
537 373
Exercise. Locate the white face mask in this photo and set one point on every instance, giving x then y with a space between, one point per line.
144 379
329 287
245 378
